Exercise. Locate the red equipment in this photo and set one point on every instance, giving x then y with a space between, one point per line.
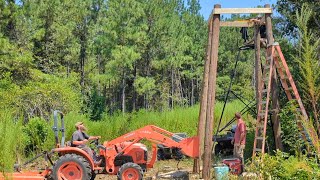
234 164
123 156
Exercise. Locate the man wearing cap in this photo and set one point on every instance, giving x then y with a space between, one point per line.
80 140
239 139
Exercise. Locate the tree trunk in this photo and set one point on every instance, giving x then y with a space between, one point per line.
83 54
82 60
145 97
172 88
113 98
134 98
123 93
180 89
68 69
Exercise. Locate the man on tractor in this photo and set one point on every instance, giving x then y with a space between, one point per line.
80 140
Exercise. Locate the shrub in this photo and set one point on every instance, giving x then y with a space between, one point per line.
35 135
284 166
39 97
290 135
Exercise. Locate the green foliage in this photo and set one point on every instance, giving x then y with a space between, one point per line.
125 55
141 56
11 143
35 134
16 62
113 126
284 166
307 59
288 8
291 137
97 105
41 96
242 83
145 85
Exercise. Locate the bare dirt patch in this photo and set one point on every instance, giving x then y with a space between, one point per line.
160 168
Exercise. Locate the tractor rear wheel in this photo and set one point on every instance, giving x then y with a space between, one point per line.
130 171
72 167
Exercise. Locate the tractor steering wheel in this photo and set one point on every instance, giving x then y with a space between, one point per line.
95 142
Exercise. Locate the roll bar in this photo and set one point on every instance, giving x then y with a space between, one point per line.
56 128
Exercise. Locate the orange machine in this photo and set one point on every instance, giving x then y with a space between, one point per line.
123 156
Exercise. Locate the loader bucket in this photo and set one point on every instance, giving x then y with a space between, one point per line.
190 146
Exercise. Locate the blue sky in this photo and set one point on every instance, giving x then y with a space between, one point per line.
207 5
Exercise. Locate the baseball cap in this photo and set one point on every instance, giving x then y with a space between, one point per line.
78 124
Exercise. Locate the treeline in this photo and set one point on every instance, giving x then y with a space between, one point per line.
111 56
99 56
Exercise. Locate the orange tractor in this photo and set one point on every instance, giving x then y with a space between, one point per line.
123 156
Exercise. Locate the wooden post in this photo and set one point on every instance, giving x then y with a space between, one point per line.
257 65
274 87
211 95
204 100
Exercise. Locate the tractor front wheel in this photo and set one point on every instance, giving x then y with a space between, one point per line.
130 171
71 167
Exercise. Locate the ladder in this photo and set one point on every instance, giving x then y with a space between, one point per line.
276 61
264 101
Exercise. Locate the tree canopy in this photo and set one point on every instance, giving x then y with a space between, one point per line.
105 56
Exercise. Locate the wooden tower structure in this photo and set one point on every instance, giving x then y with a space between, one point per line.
267 92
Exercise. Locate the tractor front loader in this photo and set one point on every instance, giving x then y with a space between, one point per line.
124 156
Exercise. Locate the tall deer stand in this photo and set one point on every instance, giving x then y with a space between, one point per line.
206 115
266 87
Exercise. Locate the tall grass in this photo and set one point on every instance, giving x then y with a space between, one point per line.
11 145
13 142
176 120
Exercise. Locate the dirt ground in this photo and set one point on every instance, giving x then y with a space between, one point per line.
162 167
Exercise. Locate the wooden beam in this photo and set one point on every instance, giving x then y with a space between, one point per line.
274 87
236 24
211 95
203 103
257 65
242 11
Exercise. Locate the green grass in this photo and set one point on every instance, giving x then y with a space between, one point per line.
176 120
10 142
109 127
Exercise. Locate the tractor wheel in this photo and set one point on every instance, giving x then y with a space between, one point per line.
72 167
177 154
160 155
93 175
218 150
130 171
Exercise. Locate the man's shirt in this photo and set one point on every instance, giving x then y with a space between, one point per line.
78 136
241 128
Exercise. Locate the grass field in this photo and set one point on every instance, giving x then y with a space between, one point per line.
15 140
109 127
176 120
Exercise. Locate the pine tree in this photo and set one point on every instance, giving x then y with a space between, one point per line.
126 30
